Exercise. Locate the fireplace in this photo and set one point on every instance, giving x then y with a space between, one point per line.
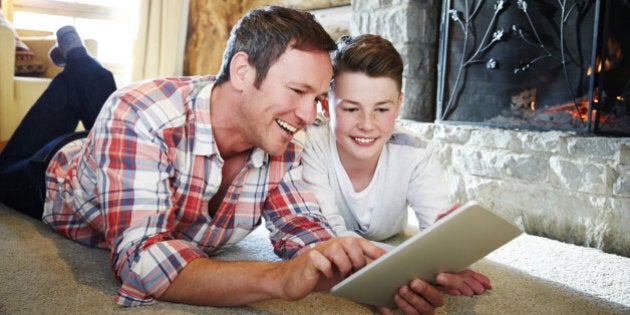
542 65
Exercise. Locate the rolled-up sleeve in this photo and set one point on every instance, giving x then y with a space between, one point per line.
293 215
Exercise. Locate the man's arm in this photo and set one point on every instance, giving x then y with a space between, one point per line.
210 282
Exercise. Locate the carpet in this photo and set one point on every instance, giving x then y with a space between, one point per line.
44 273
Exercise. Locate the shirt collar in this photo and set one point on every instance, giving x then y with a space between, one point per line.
204 139
259 157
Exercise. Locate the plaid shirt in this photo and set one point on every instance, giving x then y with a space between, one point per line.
141 182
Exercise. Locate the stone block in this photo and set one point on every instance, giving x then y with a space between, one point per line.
452 133
498 195
417 60
581 175
553 142
424 130
336 20
393 24
617 241
365 5
495 138
527 167
622 184
501 164
624 154
542 210
418 102
577 218
595 147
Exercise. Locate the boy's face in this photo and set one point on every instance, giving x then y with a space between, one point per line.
287 98
365 112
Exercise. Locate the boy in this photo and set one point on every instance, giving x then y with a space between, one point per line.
363 168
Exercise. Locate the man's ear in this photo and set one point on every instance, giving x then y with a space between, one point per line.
242 73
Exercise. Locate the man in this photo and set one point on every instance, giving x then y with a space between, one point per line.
176 169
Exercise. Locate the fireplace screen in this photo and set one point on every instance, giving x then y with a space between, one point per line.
544 64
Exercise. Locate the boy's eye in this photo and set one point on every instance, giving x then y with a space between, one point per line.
297 91
350 109
382 110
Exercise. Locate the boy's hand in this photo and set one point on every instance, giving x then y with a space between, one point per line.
473 283
447 212
420 297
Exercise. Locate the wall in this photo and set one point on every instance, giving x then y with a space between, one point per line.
210 23
412 27
560 185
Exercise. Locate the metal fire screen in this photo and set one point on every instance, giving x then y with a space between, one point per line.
544 64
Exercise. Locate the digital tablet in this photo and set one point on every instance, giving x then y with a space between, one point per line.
450 245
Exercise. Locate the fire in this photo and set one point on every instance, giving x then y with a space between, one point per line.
613 58
579 109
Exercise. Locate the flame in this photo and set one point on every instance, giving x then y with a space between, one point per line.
613 58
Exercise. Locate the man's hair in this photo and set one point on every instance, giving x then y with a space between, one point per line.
265 34
369 54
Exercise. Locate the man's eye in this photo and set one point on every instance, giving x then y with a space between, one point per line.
382 110
297 91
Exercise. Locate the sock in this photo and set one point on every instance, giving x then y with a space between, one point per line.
57 58
68 39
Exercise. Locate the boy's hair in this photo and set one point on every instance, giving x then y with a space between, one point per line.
369 54
266 33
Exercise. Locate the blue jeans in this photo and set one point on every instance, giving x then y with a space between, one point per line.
76 94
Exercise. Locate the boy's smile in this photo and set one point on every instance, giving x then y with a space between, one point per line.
365 112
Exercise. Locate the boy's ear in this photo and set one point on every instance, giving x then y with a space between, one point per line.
241 72
400 100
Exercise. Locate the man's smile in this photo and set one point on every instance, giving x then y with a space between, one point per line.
286 126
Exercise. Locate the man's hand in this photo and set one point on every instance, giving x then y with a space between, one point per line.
325 265
205 281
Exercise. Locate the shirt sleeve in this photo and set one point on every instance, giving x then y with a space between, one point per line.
293 216
316 161
428 190
134 183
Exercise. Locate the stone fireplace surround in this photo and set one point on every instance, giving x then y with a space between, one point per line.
561 185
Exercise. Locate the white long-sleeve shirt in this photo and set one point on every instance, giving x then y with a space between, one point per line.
407 175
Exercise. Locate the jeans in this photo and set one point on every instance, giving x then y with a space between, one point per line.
76 94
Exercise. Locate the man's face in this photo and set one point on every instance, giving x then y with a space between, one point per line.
287 98
365 112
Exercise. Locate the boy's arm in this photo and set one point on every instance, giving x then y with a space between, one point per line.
316 162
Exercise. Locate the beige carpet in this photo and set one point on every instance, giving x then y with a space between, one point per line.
43 273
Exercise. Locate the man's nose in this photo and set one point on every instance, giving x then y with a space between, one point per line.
307 111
